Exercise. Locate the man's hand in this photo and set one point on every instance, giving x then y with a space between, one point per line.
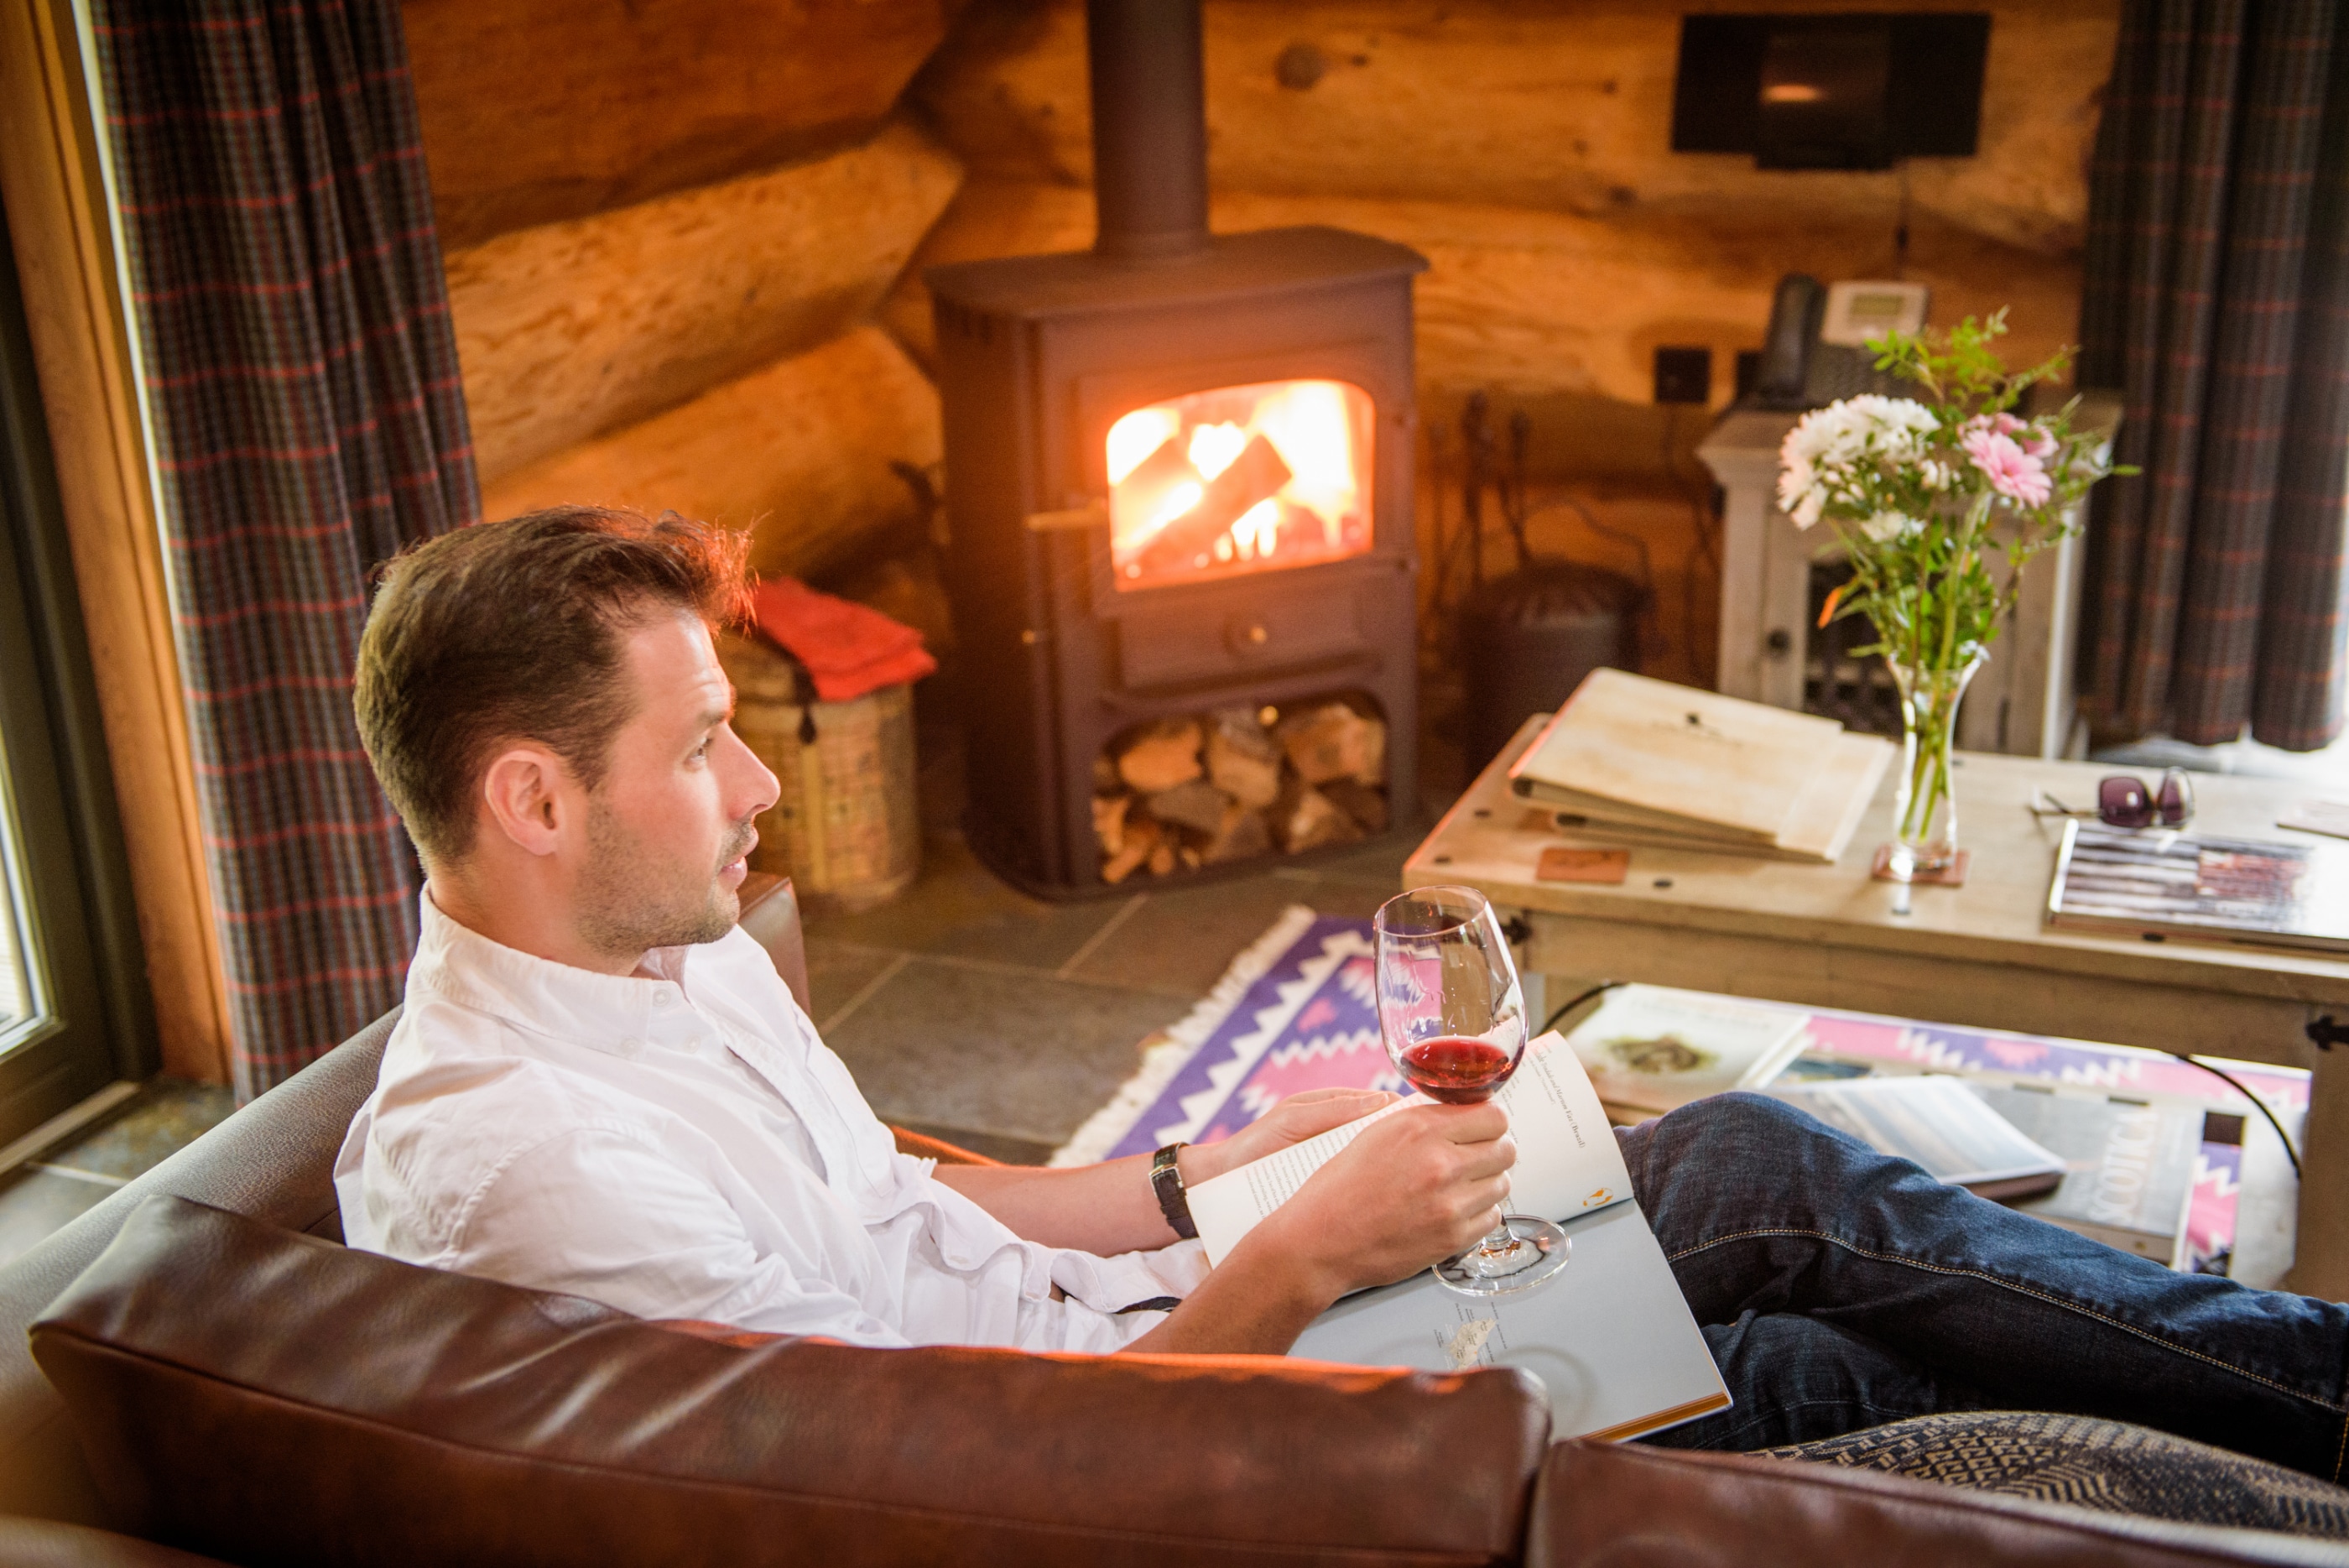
1293 1121
1418 1187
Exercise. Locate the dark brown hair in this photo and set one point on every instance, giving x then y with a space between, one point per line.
512 630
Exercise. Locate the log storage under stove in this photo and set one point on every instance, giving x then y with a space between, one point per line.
1179 487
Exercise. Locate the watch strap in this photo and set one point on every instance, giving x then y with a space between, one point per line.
1166 1180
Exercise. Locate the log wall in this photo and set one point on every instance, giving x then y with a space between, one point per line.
666 224
570 329
537 111
799 452
650 296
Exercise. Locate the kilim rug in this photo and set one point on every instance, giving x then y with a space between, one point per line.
1297 1011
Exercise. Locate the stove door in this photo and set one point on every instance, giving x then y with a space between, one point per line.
1239 481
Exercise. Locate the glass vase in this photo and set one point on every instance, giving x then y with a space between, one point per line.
1925 805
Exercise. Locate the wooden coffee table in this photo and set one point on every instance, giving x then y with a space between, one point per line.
1979 955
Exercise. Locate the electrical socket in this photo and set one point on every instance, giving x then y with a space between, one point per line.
1683 375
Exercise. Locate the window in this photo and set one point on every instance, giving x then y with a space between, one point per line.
75 1018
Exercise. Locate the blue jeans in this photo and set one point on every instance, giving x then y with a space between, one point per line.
1840 1288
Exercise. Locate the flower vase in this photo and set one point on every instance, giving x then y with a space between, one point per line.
1925 805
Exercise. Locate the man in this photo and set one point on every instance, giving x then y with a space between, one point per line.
601 1086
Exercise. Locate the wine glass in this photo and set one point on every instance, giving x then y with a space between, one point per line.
1453 1018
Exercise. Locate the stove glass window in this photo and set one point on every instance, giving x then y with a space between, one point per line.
1241 478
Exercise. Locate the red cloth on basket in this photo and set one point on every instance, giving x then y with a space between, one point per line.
849 648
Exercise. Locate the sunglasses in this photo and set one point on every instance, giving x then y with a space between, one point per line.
2124 801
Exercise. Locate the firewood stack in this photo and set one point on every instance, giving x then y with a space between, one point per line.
1237 783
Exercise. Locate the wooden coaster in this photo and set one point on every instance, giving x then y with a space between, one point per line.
1950 876
1565 864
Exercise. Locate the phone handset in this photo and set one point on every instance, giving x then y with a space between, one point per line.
1796 313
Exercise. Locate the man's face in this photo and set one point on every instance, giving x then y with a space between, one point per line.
670 826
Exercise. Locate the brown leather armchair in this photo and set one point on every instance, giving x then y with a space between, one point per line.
218 1374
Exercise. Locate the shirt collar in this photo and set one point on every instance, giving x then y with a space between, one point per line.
617 1013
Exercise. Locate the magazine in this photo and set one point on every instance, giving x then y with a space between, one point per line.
1942 1124
2161 883
1654 1049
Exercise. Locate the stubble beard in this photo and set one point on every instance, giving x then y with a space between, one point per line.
627 906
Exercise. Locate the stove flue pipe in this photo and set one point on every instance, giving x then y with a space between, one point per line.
1149 127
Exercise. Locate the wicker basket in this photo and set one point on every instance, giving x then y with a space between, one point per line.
845 827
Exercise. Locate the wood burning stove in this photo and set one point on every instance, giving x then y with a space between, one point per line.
1179 487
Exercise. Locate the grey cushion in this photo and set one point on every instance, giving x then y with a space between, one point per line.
2088 1463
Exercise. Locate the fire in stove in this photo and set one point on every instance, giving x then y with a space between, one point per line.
1241 479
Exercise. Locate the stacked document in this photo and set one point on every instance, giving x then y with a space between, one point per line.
1630 760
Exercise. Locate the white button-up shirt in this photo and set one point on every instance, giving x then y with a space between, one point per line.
678 1143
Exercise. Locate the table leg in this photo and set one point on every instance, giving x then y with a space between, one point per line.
2320 1257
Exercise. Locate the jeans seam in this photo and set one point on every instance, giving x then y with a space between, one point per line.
2056 1301
2341 1453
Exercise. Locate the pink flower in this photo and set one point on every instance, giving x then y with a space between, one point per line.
2011 471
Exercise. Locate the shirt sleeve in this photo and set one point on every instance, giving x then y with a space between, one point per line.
592 1212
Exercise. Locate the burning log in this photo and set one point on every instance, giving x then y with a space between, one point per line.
1166 754
1255 476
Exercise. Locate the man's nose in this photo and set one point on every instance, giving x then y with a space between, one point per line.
751 786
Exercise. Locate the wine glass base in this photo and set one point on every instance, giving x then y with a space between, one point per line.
1535 1251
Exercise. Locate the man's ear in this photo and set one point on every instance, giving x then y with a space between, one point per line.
530 797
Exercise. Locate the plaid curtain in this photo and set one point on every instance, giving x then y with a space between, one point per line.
301 377
2217 298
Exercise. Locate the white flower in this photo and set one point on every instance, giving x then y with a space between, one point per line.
1885 526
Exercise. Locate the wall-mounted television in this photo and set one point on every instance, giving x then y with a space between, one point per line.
1855 89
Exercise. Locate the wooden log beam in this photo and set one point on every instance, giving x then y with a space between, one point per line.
1541 304
537 111
799 452
570 329
1563 107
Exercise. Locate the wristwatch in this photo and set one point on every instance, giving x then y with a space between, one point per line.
1166 1180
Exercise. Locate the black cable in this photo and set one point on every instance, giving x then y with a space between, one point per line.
1594 990
2261 1105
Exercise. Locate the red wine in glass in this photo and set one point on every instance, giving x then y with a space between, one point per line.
1457 1069
1452 1014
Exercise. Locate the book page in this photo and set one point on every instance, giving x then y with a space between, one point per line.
1568 1162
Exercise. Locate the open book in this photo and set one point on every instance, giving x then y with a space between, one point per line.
1610 1336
